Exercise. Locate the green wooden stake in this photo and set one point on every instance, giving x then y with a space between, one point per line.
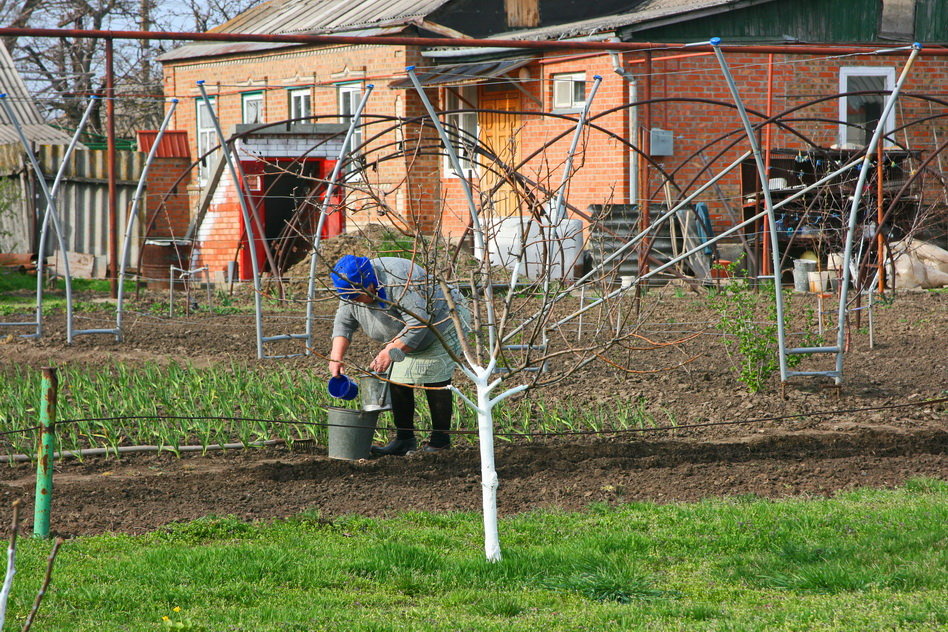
44 461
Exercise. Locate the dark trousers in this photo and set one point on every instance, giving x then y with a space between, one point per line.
403 412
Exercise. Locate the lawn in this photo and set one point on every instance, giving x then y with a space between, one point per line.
863 560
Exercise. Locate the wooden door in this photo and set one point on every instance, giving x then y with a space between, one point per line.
499 132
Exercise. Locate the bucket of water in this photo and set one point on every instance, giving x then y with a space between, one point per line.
351 432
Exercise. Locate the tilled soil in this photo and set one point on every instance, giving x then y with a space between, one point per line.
709 437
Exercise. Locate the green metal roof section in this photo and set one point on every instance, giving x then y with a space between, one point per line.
823 21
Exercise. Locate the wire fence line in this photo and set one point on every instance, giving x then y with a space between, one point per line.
524 435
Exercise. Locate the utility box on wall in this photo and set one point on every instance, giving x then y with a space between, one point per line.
661 142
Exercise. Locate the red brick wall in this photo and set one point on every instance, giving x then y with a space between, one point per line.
168 209
414 186
415 197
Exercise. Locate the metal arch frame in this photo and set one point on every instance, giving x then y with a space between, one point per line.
51 213
227 148
323 212
248 217
132 216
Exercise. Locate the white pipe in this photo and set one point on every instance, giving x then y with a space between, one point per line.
248 220
50 200
768 204
41 251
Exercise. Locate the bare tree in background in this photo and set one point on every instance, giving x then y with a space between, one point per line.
63 73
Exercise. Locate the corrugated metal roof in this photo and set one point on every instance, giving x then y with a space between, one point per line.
648 11
40 134
174 143
363 18
212 49
18 98
326 16
457 74
23 107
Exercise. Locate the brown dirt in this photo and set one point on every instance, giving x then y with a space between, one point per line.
878 431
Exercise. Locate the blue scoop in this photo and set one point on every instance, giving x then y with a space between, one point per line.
343 387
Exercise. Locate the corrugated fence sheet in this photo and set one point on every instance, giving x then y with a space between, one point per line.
82 201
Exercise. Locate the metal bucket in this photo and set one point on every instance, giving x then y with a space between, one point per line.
351 432
375 395
801 274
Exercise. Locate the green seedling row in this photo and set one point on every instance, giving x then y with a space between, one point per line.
170 405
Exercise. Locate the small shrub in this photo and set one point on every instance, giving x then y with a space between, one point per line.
749 318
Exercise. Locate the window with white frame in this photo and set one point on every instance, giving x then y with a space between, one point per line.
569 91
349 96
860 113
461 126
206 138
301 103
251 108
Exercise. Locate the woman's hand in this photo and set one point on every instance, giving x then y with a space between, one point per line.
335 368
384 360
381 362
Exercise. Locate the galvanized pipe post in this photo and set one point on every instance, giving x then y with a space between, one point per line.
327 200
44 461
247 217
51 205
132 215
768 203
854 209
480 246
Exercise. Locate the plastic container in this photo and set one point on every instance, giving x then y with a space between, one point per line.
343 387
350 433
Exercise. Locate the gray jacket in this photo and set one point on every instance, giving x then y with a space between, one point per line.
412 305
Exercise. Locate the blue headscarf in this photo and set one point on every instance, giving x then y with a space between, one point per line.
352 276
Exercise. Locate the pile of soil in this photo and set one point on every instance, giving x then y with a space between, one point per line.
711 438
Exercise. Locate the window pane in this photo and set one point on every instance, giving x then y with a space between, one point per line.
863 110
252 109
300 104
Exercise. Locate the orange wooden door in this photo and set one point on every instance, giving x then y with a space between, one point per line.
499 132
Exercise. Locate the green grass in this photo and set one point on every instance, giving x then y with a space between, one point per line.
54 297
865 560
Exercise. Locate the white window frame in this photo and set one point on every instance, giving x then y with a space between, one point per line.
206 137
845 74
463 129
250 101
301 102
564 96
348 96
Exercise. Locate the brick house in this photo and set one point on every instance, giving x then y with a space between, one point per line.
316 89
516 109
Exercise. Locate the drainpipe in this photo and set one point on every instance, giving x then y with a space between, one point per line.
767 236
632 121
645 147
